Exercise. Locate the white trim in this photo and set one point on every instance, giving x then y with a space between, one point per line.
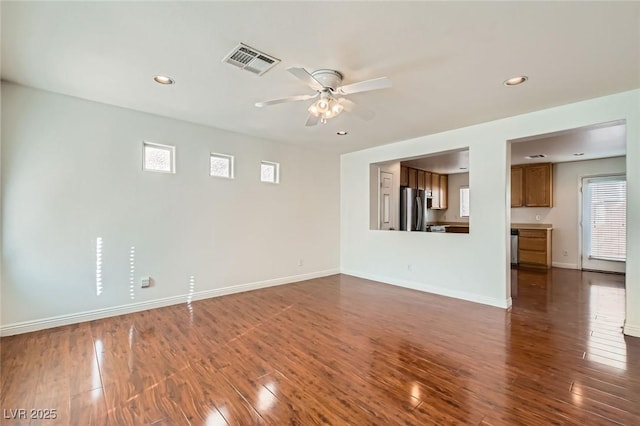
565 265
57 321
632 330
456 294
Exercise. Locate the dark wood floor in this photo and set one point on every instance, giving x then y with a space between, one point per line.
341 350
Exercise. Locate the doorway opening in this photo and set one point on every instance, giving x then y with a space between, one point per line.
573 159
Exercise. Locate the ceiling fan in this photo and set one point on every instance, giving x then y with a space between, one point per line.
326 83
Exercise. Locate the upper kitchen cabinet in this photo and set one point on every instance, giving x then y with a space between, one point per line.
413 178
421 179
532 185
439 191
444 191
538 185
427 183
404 176
435 191
517 186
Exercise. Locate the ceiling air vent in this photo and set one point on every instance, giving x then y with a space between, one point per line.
533 157
250 59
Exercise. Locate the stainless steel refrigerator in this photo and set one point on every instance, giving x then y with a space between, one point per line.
413 209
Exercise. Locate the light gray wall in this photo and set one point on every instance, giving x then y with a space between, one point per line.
72 172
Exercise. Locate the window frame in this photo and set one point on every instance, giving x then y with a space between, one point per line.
276 172
229 157
172 157
590 220
462 188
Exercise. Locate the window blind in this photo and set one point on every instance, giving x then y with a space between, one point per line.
608 219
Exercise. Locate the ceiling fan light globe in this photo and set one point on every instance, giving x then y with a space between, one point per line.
313 109
323 105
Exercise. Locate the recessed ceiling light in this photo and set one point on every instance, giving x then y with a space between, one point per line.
516 80
163 79
578 154
342 133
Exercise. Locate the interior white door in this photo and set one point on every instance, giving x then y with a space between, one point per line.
386 200
604 227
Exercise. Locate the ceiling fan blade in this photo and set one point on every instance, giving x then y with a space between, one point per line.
287 99
307 78
359 111
312 120
365 86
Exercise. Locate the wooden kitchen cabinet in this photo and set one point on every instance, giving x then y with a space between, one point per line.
532 185
538 185
435 191
404 176
444 191
434 184
534 247
427 183
421 179
439 191
413 178
517 186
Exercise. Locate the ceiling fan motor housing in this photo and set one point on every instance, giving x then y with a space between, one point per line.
328 78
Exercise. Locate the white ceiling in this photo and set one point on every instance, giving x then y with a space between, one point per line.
598 141
447 60
602 140
446 163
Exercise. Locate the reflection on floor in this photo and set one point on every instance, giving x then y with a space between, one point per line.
590 303
341 350
583 314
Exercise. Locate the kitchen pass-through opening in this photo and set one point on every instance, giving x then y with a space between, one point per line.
429 193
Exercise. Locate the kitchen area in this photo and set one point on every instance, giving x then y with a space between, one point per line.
433 194
531 186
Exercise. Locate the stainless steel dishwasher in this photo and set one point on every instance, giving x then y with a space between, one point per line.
514 246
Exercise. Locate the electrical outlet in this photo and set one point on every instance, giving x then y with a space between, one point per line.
565 253
409 267
537 217
145 282
300 262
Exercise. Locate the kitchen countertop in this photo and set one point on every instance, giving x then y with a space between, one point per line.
531 226
513 225
461 224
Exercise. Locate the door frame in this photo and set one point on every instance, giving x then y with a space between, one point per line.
391 201
580 207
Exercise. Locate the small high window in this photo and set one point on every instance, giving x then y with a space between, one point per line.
158 158
269 172
221 165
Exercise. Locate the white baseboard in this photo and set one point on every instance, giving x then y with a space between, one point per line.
499 303
57 321
632 330
564 265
